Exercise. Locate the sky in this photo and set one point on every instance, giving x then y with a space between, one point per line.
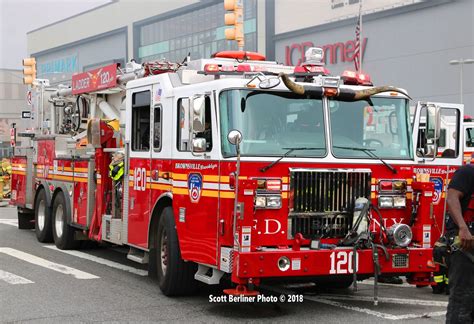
17 17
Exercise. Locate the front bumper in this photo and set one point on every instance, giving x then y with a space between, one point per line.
339 261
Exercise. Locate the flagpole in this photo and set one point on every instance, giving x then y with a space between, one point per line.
360 37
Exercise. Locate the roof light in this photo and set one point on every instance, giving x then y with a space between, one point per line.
244 68
331 82
354 78
308 68
314 55
211 68
364 79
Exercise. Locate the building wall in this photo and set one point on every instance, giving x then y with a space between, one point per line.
109 17
408 47
59 64
143 30
291 16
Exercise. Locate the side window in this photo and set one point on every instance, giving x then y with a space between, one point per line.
469 137
207 133
141 121
157 136
183 130
182 137
447 145
448 142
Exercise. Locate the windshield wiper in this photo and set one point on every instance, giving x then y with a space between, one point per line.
369 152
290 150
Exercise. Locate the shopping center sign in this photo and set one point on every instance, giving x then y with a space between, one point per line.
333 53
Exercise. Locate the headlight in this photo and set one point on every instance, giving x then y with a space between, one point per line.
399 202
268 201
273 201
260 202
385 202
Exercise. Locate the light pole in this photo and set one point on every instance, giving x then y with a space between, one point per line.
461 62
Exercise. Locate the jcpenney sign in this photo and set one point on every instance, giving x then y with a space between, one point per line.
333 53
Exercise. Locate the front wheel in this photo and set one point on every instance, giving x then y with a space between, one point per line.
63 234
175 277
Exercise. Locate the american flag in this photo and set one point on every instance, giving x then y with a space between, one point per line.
357 56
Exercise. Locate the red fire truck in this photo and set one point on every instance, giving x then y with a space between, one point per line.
228 171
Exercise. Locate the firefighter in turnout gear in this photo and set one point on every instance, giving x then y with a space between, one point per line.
461 265
116 167
441 253
116 171
5 174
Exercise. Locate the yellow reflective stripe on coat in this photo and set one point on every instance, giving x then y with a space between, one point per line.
439 279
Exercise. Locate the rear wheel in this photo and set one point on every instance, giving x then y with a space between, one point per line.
63 233
43 226
25 220
175 277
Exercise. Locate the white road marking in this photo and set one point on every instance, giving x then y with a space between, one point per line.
9 221
105 262
13 279
78 274
375 313
371 282
401 301
331 300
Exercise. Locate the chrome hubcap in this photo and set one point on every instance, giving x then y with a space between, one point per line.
41 214
59 221
164 252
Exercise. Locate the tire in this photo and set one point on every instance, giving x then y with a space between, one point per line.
63 234
25 220
43 226
175 277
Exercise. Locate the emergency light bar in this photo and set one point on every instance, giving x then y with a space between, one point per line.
307 69
213 68
354 78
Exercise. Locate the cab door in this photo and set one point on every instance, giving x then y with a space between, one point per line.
438 135
139 121
438 138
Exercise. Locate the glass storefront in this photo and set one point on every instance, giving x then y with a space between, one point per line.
199 32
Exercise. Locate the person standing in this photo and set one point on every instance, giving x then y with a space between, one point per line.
461 268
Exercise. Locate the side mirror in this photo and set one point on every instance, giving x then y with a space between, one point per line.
269 83
234 137
199 145
198 113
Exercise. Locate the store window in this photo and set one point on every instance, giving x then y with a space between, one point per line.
198 32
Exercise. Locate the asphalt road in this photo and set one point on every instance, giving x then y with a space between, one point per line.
41 284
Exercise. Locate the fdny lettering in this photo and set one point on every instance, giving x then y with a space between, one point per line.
139 179
387 222
272 229
272 226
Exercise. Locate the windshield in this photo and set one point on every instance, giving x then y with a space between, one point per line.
272 123
383 126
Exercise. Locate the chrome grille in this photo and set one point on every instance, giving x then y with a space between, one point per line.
322 201
320 225
400 261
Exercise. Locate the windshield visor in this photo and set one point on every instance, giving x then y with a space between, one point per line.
271 123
